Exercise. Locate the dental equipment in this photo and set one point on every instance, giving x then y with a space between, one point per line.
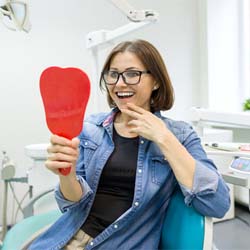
137 18
15 15
200 117
7 175
238 172
220 147
228 146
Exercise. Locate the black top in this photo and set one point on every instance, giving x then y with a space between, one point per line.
115 192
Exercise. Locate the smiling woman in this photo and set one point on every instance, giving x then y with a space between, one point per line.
123 92
139 56
126 164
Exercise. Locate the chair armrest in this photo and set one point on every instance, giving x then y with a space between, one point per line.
28 210
25 230
208 234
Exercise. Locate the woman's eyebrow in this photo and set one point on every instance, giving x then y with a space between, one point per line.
129 68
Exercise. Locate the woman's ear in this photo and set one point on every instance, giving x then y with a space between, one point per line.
156 86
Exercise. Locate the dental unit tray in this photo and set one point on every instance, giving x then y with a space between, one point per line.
241 165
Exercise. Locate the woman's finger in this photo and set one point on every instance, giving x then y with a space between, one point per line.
59 140
55 165
75 142
62 149
136 108
61 157
131 113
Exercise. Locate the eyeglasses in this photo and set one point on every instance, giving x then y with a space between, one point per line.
130 77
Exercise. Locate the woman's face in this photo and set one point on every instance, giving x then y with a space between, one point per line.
122 93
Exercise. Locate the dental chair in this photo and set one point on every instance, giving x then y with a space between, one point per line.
183 228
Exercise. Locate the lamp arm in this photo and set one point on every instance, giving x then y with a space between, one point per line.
132 14
138 20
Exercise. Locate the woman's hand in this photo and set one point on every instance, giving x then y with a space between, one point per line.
145 124
63 153
151 127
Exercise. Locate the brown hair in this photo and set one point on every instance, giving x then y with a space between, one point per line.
163 97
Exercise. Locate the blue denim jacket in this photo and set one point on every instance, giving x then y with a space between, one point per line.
140 226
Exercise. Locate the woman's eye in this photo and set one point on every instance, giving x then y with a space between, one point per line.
132 74
113 74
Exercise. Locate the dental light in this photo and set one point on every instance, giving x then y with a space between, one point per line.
15 15
137 18
132 14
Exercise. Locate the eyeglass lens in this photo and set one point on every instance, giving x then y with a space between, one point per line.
129 77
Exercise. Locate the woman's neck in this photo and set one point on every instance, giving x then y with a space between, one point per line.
122 127
121 118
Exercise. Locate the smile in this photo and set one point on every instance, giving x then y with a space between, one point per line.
124 94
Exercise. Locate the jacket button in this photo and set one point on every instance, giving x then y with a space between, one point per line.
115 226
142 141
91 243
136 203
85 143
140 171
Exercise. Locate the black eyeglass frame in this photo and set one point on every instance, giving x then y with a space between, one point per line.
123 77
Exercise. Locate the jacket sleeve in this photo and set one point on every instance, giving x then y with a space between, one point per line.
209 194
65 204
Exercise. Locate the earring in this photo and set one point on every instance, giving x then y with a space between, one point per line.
155 87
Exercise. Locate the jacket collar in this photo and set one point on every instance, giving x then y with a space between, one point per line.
107 119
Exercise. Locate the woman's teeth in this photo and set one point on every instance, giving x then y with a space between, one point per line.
124 94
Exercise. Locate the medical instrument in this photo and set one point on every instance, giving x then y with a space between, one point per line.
7 175
238 172
228 146
241 165
239 124
222 146
65 94
15 15
8 167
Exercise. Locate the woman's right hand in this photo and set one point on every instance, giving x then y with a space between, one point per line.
63 153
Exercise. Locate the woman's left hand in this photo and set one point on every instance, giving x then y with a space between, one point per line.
145 123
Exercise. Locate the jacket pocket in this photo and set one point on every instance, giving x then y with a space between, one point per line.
88 148
160 170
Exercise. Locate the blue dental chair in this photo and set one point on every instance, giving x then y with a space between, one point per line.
183 228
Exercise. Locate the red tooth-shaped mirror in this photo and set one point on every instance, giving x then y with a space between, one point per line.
65 94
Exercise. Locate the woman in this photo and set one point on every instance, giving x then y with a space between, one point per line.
127 163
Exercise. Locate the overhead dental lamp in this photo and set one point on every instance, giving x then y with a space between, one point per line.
137 18
15 15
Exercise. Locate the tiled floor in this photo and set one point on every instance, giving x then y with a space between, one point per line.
234 234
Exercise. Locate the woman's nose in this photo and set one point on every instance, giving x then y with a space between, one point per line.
121 81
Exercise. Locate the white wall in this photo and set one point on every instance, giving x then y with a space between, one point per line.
223 54
57 38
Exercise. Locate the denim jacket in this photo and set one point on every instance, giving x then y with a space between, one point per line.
140 226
